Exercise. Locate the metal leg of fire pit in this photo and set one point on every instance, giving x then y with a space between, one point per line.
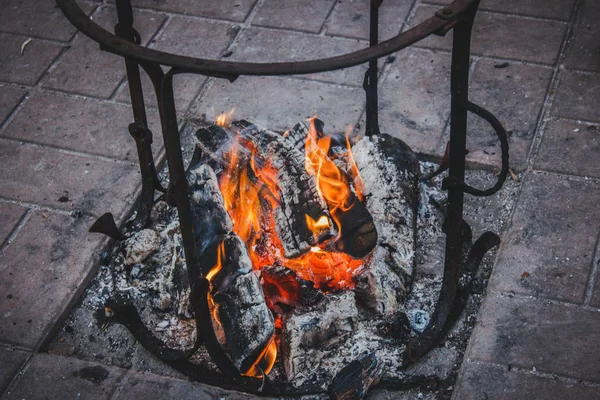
458 134
370 82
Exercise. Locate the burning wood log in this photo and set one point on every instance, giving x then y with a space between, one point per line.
300 202
238 305
354 380
358 235
390 171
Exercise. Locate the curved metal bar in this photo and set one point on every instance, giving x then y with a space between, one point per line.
501 133
231 70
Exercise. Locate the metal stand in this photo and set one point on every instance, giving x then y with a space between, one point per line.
457 16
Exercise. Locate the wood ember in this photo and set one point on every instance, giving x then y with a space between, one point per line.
354 380
389 170
246 322
285 290
298 192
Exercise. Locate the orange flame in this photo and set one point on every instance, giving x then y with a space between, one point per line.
225 118
250 191
265 361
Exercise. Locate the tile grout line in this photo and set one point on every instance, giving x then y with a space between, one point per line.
546 300
72 152
245 25
593 276
548 103
37 207
506 13
328 14
539 374
15 230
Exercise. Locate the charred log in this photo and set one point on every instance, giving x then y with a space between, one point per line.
358 234
239 307
354 380
390 170
299 197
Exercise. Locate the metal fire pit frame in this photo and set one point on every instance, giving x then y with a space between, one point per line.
457 16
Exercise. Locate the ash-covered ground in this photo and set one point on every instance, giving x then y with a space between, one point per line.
147 270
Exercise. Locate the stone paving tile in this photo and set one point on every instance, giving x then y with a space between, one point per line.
575 94
351 18
10 214
231 10
595 301
279 103
39 18
557 9
53 178
266 45
181 36
41 270
414 100
527 333
504 36
570 147
87 70
138 385
298 15
54 377
583 52
31 65
515 95
9 99
85 125
11 362
481 381
549 248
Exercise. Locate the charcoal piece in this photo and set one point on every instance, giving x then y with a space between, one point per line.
397 327
244 319
358 233
299 197
390 171
354 380
286 290
210 219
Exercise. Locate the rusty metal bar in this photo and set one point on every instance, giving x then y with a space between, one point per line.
231 70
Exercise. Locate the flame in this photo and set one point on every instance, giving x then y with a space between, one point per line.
359 186
225 118
219 265
265 361
251 192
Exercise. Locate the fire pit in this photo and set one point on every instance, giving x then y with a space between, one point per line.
295 247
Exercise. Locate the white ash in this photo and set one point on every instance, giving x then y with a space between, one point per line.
139 246
387 278
318 343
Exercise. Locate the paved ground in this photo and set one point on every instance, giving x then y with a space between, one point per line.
66 158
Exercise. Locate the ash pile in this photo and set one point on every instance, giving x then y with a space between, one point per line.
309 242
